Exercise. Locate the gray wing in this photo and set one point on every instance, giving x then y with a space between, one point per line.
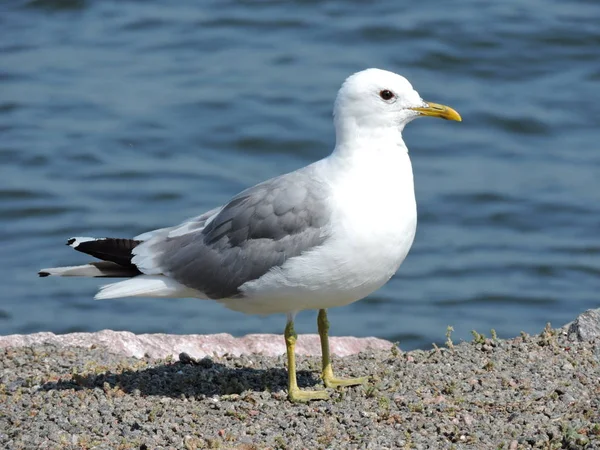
257 230
194 223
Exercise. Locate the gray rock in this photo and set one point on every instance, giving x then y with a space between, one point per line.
195 345
586 327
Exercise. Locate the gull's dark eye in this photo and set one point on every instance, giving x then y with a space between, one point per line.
386 94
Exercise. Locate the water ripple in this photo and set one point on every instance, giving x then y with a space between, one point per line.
498 300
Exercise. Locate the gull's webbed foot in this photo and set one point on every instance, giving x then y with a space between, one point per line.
297 395
327 374
333 382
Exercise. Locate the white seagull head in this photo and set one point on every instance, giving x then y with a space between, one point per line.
377 99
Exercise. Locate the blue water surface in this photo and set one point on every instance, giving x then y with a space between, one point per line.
121 116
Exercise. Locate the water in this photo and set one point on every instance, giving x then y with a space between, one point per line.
119 117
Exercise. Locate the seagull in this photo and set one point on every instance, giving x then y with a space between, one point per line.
325 235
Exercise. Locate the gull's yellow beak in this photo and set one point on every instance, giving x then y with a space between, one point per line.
435 110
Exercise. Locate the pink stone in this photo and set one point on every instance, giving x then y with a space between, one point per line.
195 345
469 420
435 400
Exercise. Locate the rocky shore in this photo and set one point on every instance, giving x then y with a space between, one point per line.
81 392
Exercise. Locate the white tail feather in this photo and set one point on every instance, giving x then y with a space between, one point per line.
86 270
75 241
93 269
146 286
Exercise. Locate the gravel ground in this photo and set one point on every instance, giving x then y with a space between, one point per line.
529 392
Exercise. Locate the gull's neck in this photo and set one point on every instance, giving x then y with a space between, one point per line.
354 143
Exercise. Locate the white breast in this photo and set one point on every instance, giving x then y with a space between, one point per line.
372 229
375 219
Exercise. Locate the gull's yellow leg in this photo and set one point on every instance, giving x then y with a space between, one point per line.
328 378
294 393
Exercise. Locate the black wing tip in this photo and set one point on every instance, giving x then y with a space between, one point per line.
70 241
43 274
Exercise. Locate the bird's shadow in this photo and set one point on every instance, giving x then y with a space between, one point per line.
192 380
